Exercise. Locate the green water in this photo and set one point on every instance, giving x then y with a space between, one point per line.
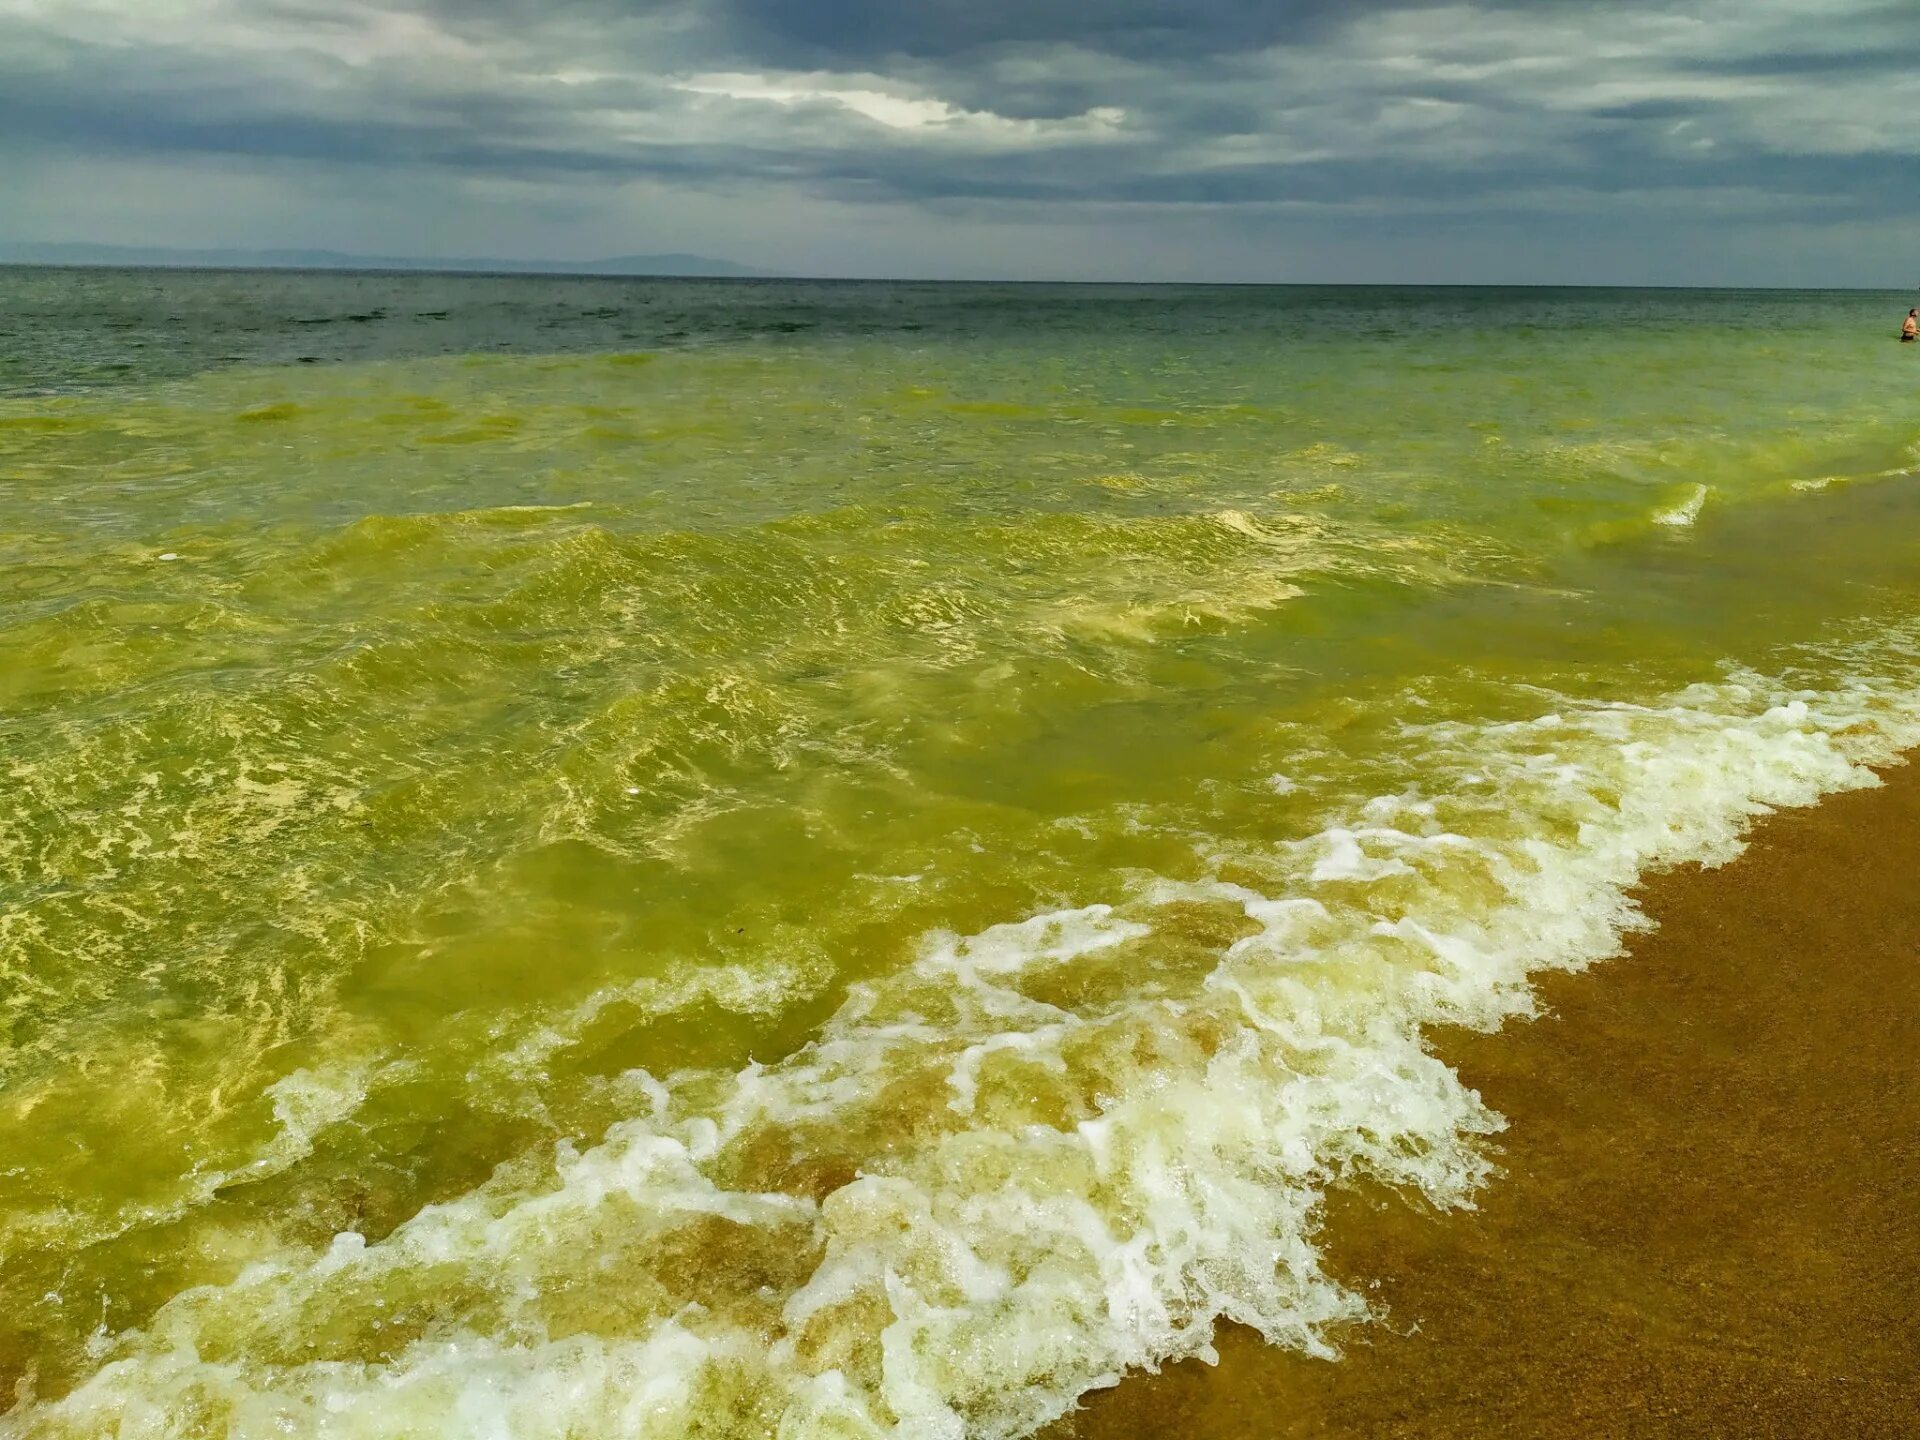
661 859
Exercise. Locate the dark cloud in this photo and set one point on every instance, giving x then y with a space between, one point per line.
837 33
1843 65
865 31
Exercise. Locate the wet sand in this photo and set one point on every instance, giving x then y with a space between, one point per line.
1709 1218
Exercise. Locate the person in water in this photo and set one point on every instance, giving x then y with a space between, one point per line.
1910 331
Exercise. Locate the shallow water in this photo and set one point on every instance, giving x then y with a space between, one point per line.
654 858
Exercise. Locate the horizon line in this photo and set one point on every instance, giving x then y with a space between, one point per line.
755 277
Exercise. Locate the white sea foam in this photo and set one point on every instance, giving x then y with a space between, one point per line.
1017 1169
1824 482
1686 511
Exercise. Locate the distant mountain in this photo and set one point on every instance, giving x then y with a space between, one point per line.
676 264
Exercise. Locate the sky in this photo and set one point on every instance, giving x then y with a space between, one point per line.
1499 141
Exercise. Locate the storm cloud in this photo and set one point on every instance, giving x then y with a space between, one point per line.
1672 140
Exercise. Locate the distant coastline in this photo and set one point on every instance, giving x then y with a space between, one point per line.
167 258
679 264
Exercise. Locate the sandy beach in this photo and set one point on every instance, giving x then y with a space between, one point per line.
1708 1220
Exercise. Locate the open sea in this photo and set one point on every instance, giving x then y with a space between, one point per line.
735 859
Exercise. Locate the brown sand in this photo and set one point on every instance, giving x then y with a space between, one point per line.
1709 1220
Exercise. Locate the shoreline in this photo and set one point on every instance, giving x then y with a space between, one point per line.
1706 1219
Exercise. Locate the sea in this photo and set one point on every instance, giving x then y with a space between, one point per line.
626 858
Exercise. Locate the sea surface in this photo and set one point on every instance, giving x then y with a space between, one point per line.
734 859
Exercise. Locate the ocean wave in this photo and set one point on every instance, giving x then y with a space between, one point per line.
1686 511
1043 1154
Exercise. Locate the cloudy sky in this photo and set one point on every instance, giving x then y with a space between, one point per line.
1663 141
